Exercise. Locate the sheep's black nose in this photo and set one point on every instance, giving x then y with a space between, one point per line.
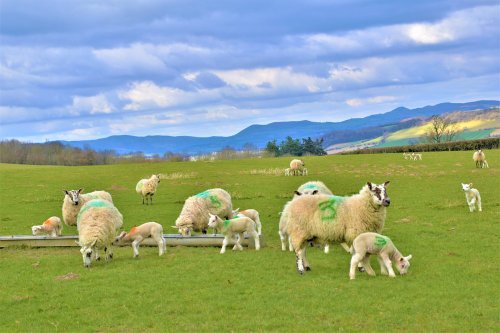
387 202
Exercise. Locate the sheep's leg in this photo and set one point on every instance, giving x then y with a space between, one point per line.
224 244
327 248
96 251
368 267
259 227
383 269
290 246
300 259
255 236
110 253
238 241
161 244
283 240
355 260
135 245
388 265
151 198
479 204
346 247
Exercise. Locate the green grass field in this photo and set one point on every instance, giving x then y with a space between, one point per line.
452 286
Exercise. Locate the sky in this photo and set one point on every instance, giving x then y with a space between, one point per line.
86 69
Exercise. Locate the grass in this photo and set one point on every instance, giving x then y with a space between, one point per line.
452 285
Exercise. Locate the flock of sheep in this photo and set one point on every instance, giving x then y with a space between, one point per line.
313 216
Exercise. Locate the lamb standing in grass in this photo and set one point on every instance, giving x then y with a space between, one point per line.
193 216
137 234
472 196
51 226
234 227
147 188
251 213
372 243
335 219
74 200
97 223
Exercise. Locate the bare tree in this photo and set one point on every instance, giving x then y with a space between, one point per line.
441 130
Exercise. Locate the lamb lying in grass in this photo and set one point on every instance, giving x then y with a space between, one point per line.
472 196
234 227
51 226
137 234
372 243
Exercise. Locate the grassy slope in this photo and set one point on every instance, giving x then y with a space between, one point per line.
452 285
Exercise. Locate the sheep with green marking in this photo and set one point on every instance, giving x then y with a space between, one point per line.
193 216
329 218
235 227
75 199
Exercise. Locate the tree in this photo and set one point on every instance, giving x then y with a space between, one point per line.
272 148
291 146
441 130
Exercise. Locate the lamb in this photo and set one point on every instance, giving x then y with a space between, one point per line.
288 172
147 188
296 166
233 227
369 243
472 196
417 156
97 223
137 234
74 200
196 209
251 213
335 219
406 156
51 226
304 171
479 157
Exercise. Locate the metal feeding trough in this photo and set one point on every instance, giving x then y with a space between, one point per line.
172 240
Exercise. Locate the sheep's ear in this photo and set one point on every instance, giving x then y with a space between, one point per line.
315 192
408 257
387 183
470 184
80 190
297 192
236 211
66 192
369 185
93 243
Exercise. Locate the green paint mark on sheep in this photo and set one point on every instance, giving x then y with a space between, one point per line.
95 203
381 241
215 201
311 186
204 194
329 208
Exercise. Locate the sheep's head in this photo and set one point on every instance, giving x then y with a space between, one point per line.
86 252
212 221
36 230
184 230
403 264
119 238
74 195
379 194
466 187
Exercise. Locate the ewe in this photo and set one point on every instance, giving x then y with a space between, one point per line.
146 188
74 200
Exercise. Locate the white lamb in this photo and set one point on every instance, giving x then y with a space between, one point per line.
74 200
251 213
146 188
137 234
51 226
288 172
472 196
97 223
335 219
193 216
372 243
234 227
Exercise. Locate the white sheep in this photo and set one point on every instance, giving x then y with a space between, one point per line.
335 219
146 188
74 200
472 196
283 231
51 226
417 156
251 213
137 234
288 172
97 223
296 166
479 157
193 216
234 227
311 188
369 243
406 156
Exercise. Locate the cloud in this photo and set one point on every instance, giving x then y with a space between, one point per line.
356 102
93 104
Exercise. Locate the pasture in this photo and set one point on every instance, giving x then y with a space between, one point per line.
452 285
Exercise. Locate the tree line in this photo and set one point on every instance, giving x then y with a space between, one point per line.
295 147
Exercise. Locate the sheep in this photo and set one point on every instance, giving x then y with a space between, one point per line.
97 223
137 234
296 166
335 219
288 172
282 229
146 188
74 200
417 156
472 196
304 171
369 243
51 226
196 208
233 227
406 156
251 213
479 157
312 187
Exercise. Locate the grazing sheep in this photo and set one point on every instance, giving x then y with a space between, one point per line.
233 227
146 188
479 157
51 226
335 219
372 243
137 234
251 213
472 196
296 166
74 200
197 207
288 172
97 223
311 188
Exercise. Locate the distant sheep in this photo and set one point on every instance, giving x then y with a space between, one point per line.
97 223
51 226
288 172
296 166
193 216
146 188
137 234
372 243
334 219
251 213
234 227
479 157
472 196
74 200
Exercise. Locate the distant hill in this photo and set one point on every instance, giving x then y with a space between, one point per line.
259 135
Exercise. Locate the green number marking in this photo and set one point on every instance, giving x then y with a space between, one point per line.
310 186
329 208
380 241
96 203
